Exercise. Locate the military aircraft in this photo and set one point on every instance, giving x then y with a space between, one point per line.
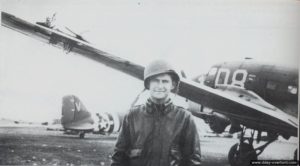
268 85
77 120
250 112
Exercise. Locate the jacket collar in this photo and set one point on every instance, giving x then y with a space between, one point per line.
164 108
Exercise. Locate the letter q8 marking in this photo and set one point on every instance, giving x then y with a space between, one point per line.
238 80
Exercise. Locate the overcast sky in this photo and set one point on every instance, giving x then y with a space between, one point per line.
192 35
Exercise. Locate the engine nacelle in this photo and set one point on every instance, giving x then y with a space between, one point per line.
217 122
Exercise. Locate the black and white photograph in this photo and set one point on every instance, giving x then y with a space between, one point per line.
149 83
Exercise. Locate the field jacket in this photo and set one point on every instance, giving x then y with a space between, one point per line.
157 135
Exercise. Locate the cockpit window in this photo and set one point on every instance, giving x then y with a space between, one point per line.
212 71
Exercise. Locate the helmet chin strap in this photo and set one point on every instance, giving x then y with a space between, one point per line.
176 89
159 102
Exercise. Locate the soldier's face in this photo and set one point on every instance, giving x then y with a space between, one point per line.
160 87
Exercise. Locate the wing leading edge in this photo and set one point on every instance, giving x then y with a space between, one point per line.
246 113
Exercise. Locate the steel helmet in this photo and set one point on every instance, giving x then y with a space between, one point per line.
159 67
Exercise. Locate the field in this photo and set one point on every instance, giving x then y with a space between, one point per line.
37 146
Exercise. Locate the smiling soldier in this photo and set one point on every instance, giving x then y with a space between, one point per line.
158 133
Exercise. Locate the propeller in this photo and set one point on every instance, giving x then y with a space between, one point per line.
77 36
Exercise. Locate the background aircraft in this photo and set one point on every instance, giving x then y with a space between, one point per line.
264 84
250 115
77 120
268 85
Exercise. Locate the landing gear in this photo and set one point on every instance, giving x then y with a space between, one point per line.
242 153
81 135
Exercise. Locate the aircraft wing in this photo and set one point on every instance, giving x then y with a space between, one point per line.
241 111
69 43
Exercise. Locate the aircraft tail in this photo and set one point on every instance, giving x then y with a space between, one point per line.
77 119
75 115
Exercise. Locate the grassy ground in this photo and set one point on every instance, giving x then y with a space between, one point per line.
37 146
